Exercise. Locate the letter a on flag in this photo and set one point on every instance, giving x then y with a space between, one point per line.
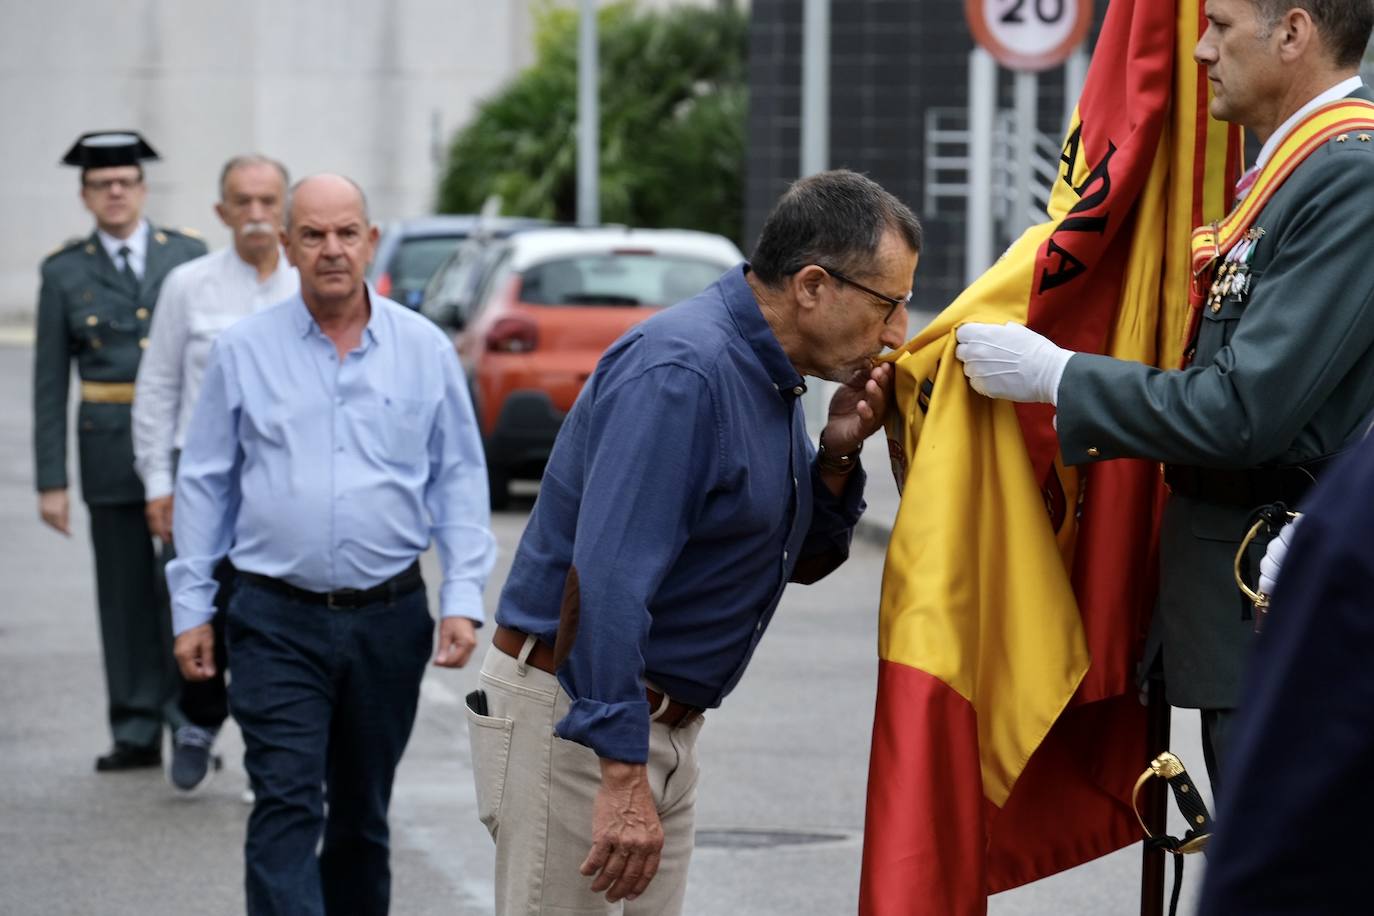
1017 591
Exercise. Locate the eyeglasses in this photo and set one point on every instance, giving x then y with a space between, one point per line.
105 184
893 302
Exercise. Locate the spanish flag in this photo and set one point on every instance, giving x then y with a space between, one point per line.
1017 591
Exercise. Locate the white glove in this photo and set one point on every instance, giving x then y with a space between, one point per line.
1012 362
1273 557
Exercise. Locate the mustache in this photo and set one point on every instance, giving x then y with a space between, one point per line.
258 227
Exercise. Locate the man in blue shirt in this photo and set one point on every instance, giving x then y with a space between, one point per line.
333 438
682 495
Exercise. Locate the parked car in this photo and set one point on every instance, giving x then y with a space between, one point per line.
411 249
546 304
448 297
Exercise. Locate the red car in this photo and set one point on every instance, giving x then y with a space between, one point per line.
550 302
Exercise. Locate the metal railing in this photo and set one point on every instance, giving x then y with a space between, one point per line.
947 163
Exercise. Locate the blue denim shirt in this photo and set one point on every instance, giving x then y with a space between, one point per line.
683 489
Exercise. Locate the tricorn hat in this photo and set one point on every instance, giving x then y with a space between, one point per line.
100 149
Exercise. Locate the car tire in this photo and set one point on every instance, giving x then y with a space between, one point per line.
499 483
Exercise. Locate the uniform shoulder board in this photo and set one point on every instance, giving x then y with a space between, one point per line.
188 232
65 246
1363 139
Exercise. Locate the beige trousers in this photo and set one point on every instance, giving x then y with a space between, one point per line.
535 793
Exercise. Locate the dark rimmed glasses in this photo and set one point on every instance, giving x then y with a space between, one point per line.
893 302
103 185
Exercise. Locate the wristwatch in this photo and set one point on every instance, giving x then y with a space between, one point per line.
831 463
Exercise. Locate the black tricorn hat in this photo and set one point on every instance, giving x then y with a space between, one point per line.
101 149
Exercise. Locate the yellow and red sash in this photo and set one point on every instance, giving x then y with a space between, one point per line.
1212 242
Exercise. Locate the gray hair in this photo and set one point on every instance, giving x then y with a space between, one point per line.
837 219
291 195
247 159
1344 25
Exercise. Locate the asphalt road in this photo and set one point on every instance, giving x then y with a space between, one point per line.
780 815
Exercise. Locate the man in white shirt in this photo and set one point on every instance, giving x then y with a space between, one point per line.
199 299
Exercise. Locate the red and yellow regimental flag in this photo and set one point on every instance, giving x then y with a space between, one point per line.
1017 591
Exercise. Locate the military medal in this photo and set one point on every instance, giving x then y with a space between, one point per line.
1243 256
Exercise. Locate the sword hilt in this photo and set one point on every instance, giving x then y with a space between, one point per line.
1170 769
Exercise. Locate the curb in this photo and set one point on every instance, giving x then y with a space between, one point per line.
16 335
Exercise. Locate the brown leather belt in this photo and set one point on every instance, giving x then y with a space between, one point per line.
541 656
108 392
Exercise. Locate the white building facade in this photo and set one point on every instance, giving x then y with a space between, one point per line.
370 88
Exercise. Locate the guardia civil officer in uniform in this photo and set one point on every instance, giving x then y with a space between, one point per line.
1281 371
95 307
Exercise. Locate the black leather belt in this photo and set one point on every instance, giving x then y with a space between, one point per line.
396 587
1246 488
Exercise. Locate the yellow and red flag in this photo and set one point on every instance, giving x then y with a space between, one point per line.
1017 592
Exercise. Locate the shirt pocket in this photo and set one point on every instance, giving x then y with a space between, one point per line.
400 428
98 328
206 326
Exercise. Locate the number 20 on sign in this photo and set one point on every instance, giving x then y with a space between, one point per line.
1029 34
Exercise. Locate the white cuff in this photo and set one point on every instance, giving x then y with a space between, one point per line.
157 485
1056 374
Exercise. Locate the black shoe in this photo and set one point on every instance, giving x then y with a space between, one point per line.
128 757
192 762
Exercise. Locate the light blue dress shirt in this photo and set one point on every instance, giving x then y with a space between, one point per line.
330 473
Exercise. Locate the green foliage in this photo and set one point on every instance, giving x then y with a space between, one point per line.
673 106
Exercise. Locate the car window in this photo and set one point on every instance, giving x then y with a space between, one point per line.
417 258
454 279
621 278
496 272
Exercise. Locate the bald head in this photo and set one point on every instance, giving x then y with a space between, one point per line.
312 187
329 239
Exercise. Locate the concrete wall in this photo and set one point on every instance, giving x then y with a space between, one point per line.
371 88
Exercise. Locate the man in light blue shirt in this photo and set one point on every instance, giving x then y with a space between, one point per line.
333 438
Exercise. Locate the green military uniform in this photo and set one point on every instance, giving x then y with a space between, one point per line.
1282 374
90 312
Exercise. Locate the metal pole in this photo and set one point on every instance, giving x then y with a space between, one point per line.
815 154
982 104
1155 802
815 115
1075 75
1027 85
588 120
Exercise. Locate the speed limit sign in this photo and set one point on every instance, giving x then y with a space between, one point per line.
1029 34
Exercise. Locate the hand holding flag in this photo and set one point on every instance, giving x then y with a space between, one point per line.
1011 362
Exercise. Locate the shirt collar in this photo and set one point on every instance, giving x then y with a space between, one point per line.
304 322
137 243
251 270
753 327
1338 91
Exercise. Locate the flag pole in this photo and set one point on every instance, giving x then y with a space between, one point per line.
1155 803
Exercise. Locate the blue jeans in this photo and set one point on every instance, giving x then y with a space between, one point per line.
324 697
